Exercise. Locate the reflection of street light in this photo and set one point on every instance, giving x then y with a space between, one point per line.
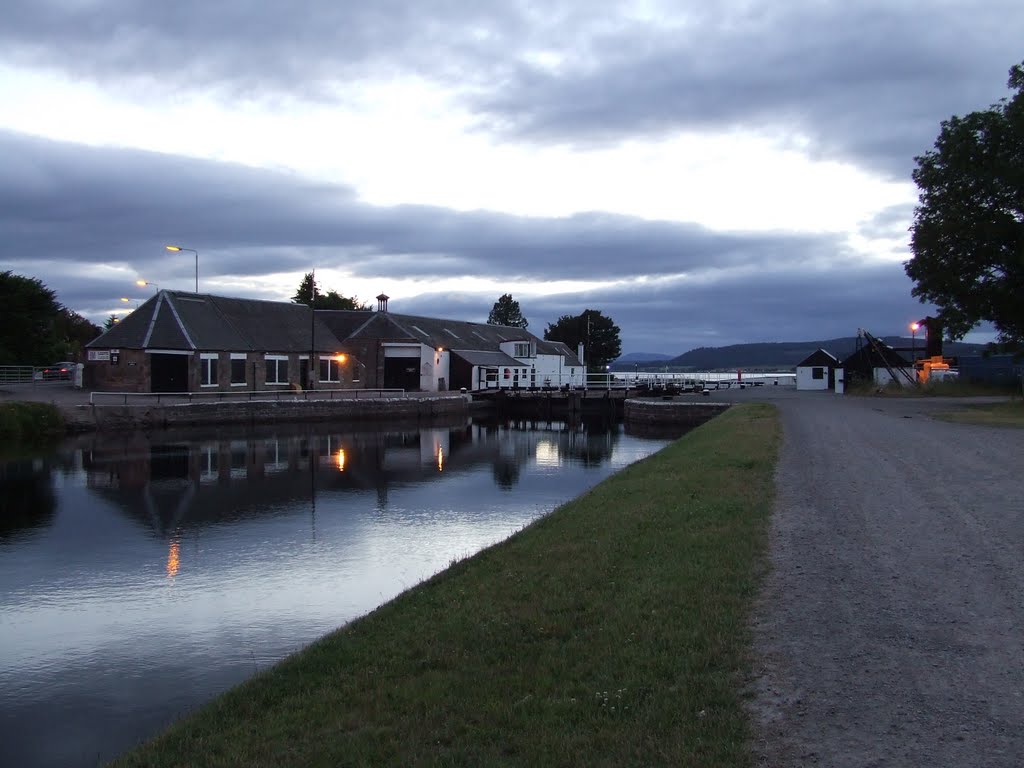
191 250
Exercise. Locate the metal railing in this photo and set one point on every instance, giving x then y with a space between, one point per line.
261 395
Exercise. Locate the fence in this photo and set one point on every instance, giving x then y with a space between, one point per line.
287 395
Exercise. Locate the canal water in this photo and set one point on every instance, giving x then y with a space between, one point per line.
141 574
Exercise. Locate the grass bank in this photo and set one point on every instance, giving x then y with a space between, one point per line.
610 633
25 422
1007 414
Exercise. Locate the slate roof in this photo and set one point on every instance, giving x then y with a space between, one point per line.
867 358
488 359
189 321
454 335
819 358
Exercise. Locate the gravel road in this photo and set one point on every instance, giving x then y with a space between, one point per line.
890 631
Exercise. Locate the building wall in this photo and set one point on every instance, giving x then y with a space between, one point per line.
883 378
129 370
122 370
805 377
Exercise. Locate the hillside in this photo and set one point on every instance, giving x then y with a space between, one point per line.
782 354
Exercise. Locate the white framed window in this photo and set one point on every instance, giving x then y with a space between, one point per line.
330 370
277 369
208 369
522 349
238 361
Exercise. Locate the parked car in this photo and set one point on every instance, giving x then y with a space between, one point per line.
63 371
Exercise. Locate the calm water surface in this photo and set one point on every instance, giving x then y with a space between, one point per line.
142 574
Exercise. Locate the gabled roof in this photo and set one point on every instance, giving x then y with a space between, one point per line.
867 358
819 358
455 335
488 359
190 321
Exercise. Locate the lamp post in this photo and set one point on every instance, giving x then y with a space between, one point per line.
913 341
191 250
129 301
144 283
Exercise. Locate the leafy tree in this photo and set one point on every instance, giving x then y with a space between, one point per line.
309 293
28 334
968 230
308 289
110 322
506 312
74 331
598 334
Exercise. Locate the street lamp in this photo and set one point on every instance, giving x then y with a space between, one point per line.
129 301
191 250
144 283
913 340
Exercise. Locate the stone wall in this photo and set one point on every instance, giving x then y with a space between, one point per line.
664 412
83 418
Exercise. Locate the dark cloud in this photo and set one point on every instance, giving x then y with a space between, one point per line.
863 82
866 82
69 213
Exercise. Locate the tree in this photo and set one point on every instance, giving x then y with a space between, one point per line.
598 334
28 334
74 331
110 322
309 293
506 312
968 230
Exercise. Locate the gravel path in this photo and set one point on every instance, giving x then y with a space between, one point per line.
891 628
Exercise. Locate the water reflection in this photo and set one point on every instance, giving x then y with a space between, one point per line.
140 574
27 501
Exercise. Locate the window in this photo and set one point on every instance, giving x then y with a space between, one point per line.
237 370
277 369
208 369
522 349
817 373
330 369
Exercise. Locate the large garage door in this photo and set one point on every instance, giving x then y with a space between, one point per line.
168 373
402 373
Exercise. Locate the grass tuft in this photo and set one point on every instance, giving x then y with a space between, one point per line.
611 632
1006 414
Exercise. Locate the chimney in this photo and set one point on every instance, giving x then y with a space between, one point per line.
382 302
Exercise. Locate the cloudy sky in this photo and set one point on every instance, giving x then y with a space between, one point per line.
705 173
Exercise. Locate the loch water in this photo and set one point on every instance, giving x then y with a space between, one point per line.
143 573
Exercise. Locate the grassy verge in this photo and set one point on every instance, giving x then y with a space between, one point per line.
24 422
612 632
949 388
1008 414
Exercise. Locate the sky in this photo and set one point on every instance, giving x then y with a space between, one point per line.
702 173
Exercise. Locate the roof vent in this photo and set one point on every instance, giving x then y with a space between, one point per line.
382 302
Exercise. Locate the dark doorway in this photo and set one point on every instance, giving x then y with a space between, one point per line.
168 373
304 374
402 373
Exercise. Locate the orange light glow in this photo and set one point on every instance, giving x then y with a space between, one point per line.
915 326
440 459
172 247
340 459
173 559
341 358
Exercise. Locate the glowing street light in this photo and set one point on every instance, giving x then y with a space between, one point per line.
191 250
144 283
913 340
129 301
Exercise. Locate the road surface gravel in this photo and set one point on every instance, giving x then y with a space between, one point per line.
890 629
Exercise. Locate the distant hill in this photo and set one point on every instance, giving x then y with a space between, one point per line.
642 357
787 354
